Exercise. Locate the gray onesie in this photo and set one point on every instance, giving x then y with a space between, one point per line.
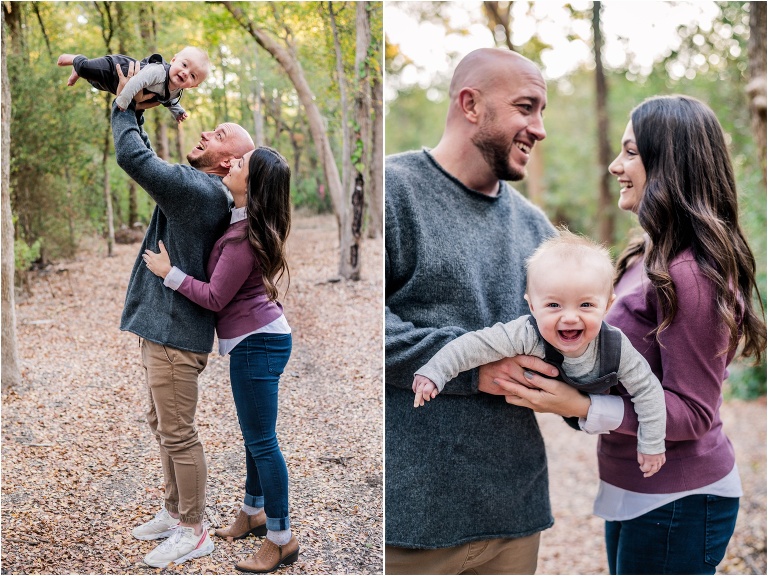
520 336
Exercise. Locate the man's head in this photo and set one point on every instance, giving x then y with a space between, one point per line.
569 290
188 68
216 149
497 100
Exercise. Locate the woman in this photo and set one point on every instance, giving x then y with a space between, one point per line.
685 300
244 268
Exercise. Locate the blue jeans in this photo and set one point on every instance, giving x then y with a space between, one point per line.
255 367
687 536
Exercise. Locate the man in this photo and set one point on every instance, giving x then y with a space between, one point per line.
176 335
457 237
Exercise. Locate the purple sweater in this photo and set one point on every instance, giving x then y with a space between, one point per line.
691 371
236 291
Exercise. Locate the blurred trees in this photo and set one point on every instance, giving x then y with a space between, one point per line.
61 185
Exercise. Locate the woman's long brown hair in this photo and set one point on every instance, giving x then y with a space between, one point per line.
268 207
690 201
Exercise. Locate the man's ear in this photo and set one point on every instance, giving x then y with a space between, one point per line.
469 104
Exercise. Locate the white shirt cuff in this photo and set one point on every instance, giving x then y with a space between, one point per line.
605 414
174 278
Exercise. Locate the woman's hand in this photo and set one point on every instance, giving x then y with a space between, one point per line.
158 263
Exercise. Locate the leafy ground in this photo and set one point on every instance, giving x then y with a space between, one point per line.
80 468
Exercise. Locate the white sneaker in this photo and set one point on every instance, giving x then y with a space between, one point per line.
183 545
161 526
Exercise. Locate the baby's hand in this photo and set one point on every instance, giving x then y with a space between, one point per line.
424 388
650 463
181 117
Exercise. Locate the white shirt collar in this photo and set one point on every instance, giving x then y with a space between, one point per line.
238 214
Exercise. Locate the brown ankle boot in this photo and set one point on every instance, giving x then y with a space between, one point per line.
270 556
243 525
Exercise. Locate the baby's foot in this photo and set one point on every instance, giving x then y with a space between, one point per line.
74 77
66 60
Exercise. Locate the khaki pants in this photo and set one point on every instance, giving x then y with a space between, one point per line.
172 385
499 556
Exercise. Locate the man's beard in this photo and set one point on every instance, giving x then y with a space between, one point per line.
495 146
205 160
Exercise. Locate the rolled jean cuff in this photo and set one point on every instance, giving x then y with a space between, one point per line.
276 524
254 501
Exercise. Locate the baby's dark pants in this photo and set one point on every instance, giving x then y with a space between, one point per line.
101 72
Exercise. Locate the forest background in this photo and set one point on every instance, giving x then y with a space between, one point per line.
715 57
294 74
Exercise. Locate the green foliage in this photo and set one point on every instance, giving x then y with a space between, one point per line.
25 254
746 382
306 195
58 133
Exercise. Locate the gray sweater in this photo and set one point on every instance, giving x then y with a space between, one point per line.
503 340
192 212
470 467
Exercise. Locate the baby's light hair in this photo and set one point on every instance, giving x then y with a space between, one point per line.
205 62
568 245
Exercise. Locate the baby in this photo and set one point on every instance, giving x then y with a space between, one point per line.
166 81
569 291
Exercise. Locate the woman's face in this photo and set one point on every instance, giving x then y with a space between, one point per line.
629 170
237 179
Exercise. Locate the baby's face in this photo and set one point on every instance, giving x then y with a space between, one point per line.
569 300
187 70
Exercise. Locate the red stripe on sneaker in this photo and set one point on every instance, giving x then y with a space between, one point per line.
201 540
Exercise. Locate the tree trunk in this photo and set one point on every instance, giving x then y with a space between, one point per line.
756 89
352 217
133 203
605 213
317 129
501 22
346 161
107 193
258 115
11 376
161 137
376 184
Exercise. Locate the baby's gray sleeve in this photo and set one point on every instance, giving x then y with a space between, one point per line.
176 109
474 349
647 396
144 78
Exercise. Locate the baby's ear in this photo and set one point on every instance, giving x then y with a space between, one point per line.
611 300
529 302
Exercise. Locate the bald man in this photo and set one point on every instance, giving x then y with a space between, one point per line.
176 335
457 237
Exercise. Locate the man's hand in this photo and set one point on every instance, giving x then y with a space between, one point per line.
548 395
495 377
133 68
158 263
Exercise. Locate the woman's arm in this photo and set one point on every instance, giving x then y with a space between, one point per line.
692 365
232 269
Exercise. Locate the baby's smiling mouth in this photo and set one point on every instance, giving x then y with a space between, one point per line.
569 335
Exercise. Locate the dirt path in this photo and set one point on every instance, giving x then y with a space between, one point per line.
80 469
